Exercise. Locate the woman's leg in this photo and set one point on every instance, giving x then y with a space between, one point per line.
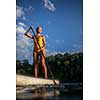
35 64
44 65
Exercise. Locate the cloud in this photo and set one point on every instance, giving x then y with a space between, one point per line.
30 8
53 52
21 24
50 52
22 54
49 5
20 12
23 44
20 29
46 36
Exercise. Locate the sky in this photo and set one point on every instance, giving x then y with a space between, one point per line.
62 23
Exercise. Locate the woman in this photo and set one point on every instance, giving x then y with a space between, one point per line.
39 44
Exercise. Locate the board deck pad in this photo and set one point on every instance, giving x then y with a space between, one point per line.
28 80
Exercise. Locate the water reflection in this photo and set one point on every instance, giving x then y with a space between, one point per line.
37 94
44 93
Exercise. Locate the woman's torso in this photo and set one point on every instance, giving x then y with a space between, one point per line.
38 43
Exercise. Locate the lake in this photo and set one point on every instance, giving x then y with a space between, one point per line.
44 93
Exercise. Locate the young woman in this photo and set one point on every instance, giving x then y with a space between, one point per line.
38 40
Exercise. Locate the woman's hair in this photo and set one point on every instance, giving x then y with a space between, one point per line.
38 28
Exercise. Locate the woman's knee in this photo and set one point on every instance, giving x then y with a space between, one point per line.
35 62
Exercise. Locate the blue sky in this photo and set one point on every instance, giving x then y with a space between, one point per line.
62 22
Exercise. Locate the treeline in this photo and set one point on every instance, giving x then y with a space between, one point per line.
65 67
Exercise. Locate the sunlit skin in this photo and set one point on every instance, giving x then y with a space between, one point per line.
39 30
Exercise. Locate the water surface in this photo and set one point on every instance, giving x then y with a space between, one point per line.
29 93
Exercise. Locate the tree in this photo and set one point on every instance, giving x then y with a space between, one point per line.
66 68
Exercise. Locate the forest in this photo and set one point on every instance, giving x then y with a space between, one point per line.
67 67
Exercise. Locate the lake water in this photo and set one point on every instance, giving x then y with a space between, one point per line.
27 93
